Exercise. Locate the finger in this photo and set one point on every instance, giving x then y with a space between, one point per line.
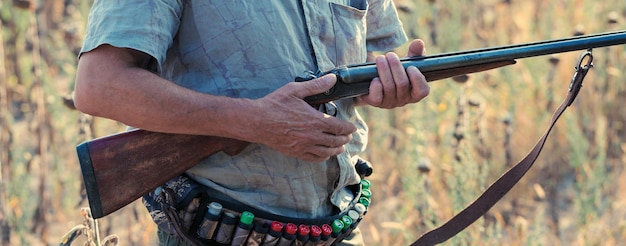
315 86
375 95
340 128
419 85
334 141
416 48
386 78
337 135
400 78
317 153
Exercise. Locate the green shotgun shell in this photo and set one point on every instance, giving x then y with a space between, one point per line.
365 184
365 201
246 218
337 226
366 193
347 221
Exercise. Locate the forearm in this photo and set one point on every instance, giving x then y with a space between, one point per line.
112 83
139 98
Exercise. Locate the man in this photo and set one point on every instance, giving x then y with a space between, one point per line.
225 68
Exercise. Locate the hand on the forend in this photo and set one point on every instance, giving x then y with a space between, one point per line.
395 86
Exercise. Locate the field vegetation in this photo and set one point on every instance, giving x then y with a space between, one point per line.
431 159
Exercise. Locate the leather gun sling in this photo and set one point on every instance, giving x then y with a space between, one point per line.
506 182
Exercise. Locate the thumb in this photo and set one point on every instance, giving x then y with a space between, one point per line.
417 48
315 86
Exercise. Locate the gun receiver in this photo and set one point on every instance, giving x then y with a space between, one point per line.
120 168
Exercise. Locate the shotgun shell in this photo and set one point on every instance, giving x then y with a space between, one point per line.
258 233
314 236
271 238
302 236
211 220
337 226
226 229
348 222
365 201
327 230
361 209
289 235
365 184
354 215
366 193
243 229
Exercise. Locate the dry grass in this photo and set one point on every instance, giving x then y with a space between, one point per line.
570 197
424 171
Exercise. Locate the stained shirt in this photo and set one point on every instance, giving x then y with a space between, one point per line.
247 49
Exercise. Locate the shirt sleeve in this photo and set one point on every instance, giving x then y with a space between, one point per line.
147 26
384 28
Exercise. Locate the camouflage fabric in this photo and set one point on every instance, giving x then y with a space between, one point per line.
185 201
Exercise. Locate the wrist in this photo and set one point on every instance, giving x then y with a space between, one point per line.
235 118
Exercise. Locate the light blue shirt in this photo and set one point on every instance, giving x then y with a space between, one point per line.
247 49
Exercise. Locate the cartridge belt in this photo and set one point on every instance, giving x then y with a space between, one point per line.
202 216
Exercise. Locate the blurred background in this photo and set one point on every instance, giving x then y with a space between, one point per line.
431 159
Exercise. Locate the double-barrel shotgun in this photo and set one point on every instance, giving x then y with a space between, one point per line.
120 168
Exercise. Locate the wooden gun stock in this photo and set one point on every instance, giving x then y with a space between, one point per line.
120 168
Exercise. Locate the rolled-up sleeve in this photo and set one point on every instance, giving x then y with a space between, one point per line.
384 28
147 26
